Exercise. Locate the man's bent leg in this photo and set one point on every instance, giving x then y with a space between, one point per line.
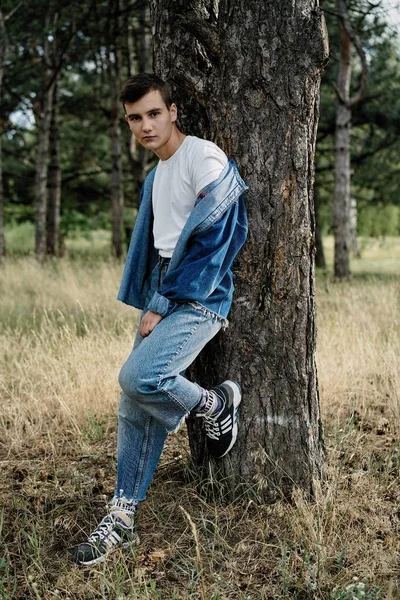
156 397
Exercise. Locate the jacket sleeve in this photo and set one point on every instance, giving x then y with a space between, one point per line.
209 256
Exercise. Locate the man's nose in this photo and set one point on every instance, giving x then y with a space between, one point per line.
146 125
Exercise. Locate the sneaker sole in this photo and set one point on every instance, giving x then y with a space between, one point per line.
125 546
237 398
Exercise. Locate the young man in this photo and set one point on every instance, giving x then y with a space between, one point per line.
190 225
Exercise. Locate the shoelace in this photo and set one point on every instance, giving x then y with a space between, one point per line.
106 526
103 530
119 504
211 426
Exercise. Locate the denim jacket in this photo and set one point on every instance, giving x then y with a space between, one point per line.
200 267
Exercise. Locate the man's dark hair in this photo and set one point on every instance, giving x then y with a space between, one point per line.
139 85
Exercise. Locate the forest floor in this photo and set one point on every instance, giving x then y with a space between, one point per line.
63 338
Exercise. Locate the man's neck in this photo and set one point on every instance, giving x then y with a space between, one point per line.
168 149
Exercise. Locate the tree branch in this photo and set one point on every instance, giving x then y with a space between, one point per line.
204 32
344 17
10 14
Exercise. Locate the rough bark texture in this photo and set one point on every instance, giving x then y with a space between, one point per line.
54 185
342 161
319 248
247 76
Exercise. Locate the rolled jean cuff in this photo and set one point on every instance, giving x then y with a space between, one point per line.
161 305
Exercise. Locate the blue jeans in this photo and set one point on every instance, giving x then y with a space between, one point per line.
155 394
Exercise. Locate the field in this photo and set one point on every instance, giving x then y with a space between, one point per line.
63 338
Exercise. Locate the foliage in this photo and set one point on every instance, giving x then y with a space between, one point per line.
376 122
83 28
85 104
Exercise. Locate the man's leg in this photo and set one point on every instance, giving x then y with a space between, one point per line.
154 400
156 396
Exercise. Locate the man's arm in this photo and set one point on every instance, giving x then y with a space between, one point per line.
210 254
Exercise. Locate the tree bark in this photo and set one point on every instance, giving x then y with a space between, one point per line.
342 161
319 247
345 105
54 185
353 228
247 76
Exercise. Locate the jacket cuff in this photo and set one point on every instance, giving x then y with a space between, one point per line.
161 305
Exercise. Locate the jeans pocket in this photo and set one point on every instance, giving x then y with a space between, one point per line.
210 314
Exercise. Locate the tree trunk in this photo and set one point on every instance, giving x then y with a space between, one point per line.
54 185
353 228
139 156
2 243
44 123
344 108
342 161
319 247
3 54
247 76
42 161
117 195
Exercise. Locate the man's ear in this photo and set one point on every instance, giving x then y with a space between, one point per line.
126 119
173 112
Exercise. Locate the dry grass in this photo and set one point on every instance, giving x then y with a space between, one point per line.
63 338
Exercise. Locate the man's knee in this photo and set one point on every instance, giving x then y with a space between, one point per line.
135 378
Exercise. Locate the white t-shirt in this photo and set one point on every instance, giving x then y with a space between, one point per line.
176 185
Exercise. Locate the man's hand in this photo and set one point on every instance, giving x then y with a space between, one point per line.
149 321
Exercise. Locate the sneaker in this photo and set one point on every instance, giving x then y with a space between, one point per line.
221 429
117 530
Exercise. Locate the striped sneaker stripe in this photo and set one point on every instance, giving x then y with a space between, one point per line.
116 537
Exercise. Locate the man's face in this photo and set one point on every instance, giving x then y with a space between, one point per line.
150 121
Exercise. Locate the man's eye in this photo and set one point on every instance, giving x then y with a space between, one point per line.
134 118
154 114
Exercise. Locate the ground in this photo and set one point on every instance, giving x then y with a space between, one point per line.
62 339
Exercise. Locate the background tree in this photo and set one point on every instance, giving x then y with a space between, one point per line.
3 65
247 77
84 105
54 183
374 140
115 78
3 58
345 105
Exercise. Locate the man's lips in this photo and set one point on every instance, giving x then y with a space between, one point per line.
149 137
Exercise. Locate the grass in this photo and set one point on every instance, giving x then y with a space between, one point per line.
63 338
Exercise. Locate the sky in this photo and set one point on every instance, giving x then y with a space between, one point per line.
392 9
